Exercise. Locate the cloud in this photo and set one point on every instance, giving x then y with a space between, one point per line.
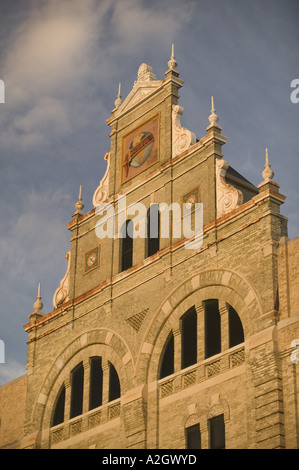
47 63
152 22
46 49
26 240
63 52
33 243
10 370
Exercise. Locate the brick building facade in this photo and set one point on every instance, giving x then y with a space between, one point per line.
153 342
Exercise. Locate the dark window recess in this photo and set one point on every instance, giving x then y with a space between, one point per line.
193 437
58 414
153 229
167 358
189 337
217 432
77 380
212 328
114 385
236 333
96 383
127 245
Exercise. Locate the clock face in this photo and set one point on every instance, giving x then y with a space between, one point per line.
191 199
140 149
91 259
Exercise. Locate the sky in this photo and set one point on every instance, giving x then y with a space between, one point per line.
61 62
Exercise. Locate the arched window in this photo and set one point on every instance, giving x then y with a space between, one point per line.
212 328
153 229
235 327
167 358
96 383
127 245
189 337
77 380
96 390
114 384
212 336
58 412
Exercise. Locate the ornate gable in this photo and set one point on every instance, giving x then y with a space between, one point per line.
145 85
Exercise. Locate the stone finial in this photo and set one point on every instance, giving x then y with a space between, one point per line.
268 173
213 118
172 63
118 100
79 204
38 305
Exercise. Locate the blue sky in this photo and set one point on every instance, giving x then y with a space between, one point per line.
61 62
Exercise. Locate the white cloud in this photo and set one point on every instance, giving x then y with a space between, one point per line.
32 241
47 64
134 20
11 370
64 51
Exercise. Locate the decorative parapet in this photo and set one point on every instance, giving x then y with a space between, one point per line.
61 294
80 424
228 198
203 371
102 191
182 138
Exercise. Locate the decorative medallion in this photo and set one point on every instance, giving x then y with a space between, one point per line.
140 149
91 259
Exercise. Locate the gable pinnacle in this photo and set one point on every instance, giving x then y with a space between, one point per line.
118 100
172 63
79 204
268 173
213 118
38 305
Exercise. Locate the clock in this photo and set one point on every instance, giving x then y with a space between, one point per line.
91 259
191 199
140 149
